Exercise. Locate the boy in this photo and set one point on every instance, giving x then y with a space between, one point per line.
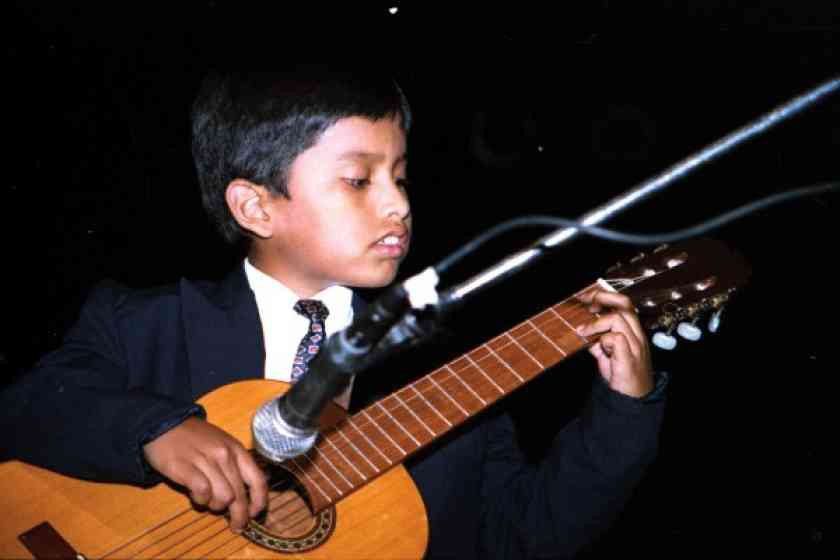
308 172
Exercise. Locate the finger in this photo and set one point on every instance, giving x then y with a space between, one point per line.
633 322
238 506
621 357
622 304
626 377
613 322
587 298
613 300
256 481
221 493
197 484
603 361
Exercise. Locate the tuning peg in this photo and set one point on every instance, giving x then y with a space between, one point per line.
665 340
714 320
690 331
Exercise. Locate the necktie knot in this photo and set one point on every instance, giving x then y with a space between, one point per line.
312 309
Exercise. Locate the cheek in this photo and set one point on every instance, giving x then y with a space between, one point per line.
347 226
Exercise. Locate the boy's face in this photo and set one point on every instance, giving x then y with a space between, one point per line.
347 220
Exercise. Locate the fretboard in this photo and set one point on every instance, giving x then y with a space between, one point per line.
365 445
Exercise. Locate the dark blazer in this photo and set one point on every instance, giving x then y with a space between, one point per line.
136 360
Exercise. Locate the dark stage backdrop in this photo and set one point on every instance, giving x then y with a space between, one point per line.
519 109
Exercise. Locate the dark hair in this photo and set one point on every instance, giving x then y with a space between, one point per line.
252 126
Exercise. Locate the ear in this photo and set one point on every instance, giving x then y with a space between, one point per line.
247 202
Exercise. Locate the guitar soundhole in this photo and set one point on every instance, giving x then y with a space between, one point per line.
287 524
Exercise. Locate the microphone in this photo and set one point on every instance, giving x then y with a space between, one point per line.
288 426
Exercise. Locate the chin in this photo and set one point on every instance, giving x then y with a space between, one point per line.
379 279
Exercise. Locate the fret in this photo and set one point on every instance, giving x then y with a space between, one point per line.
295 467
340 459
408 421
507 377
327 465
389 420
504 364
417 403
455 386
562 331
378 428
520 333
324 475
575 316
485 373
476 379
371 450
539 330
428 404
502 378
533 341
564 311
357 447
515 357
431 389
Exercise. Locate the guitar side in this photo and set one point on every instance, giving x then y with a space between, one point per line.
384 519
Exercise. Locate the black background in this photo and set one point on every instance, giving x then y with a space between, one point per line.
519 110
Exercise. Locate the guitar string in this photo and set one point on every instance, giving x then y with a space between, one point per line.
234 537
172 520
247 542
525 324
146 532
276 488
217 519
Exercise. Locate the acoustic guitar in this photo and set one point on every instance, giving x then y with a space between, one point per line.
344 497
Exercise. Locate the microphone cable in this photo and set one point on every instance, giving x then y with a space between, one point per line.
632 238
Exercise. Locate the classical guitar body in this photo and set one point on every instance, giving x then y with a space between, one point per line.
383 519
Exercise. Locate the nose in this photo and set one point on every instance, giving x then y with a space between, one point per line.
395 202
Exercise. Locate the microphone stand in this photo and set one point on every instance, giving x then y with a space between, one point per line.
286 427
454 296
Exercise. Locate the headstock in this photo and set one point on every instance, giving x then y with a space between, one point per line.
675 287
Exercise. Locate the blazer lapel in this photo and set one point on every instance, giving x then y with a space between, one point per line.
223 333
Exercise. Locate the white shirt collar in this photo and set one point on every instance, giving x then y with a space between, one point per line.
338 299
283 328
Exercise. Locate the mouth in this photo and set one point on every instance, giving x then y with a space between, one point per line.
394 244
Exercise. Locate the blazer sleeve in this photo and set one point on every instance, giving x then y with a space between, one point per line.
554 508
77 412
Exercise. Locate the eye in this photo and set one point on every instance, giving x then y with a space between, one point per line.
359 183
404 183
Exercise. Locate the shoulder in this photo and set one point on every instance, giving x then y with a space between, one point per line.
109 294
114 298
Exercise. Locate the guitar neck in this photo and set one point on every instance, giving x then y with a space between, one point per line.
365 445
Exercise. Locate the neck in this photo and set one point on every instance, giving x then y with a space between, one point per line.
279 271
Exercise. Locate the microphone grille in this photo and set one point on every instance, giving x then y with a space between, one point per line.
275 439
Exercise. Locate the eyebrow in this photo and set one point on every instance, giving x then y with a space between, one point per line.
369 156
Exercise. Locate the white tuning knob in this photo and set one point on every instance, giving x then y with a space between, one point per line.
690 331
714 320
664 340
